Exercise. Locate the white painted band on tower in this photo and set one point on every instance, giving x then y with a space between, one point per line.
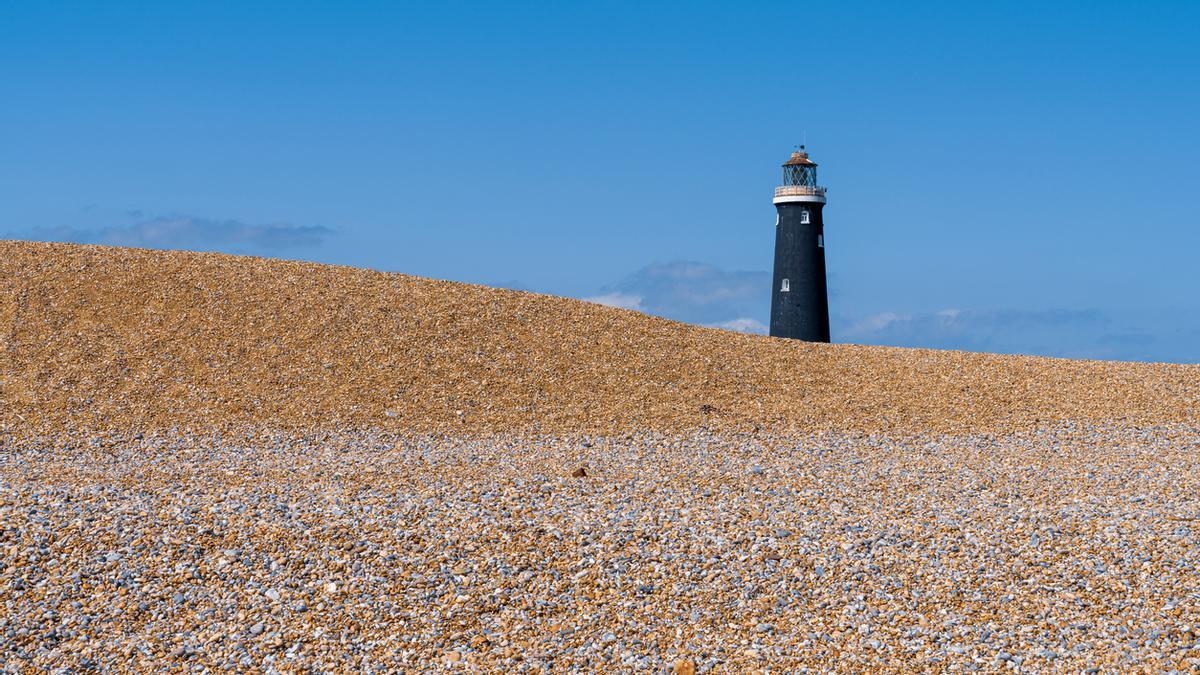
799 198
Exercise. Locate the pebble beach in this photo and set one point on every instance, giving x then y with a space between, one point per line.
213 463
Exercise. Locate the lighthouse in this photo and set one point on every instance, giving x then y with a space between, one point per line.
799 297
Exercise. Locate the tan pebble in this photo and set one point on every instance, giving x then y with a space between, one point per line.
684 667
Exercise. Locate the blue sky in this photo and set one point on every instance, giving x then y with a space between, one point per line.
1015 177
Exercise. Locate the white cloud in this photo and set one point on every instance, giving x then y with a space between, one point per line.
743 324
619 300
873 323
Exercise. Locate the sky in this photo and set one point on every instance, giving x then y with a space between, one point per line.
1011 177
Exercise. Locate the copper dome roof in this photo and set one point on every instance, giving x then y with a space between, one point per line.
799 158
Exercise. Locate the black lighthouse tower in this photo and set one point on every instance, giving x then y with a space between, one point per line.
799 298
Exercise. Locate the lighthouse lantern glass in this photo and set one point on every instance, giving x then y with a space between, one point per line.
800 174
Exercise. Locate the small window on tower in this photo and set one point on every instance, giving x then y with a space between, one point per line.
820 241
785 286
804 217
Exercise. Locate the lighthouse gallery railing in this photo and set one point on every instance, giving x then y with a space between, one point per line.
799 191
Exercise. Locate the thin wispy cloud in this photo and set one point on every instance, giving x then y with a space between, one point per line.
191 233
1053 332
688 291
1137 335
708 295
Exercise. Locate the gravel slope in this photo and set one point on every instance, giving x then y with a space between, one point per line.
99 338
211 462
